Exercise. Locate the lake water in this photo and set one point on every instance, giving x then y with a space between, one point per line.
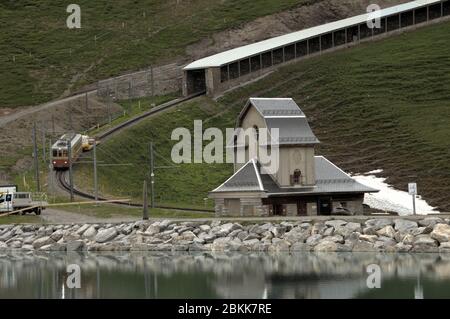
223 275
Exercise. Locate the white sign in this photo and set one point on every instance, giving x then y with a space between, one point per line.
412 188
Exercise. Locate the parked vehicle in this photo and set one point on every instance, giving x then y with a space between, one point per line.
20 201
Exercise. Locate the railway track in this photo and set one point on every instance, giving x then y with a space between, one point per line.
61 175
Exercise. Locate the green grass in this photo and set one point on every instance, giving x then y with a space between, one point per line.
42 57
19 219
134 107
379 105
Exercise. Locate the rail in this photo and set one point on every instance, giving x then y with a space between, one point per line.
61 176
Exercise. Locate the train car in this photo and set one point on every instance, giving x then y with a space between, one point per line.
88 143
60 150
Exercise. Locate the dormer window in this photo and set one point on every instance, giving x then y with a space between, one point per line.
296 178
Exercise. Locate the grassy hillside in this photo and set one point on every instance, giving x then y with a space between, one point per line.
380 105
43 58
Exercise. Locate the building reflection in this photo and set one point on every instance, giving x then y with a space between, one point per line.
219 275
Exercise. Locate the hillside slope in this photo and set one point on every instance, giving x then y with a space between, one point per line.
382 105
44 59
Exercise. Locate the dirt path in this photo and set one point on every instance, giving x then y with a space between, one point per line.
54 216
4 120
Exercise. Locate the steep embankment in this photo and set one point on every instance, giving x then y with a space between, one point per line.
380 105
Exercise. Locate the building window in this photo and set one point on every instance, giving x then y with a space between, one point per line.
296 178
255 128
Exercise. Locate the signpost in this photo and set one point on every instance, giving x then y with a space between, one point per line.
412 190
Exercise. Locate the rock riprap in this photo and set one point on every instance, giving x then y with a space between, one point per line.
429 234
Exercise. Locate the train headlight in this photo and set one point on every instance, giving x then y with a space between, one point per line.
65 162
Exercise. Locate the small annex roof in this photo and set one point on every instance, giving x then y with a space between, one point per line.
239 53
246 179
286 116
330 179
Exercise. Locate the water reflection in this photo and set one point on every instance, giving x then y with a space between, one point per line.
222 275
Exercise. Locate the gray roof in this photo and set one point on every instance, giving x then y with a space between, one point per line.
292 130
246 179
286 115
330 179
276 106
249 50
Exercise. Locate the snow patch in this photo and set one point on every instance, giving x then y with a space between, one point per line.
391 199
376 171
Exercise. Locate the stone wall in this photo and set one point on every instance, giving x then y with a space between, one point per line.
158 80
430 234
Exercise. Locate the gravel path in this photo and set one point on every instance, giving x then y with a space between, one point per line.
54 216
33 109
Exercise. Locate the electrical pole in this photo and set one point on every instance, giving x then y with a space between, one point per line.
70 119
36 160
86 101
43 141
152 175
50 166
53 124
95 171
108 107
69 151
145 201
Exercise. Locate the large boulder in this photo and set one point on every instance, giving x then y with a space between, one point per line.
445 247
90 232
378 223
430 221
106 235
296 235
425 240
441 232
326 245
318 229
402 248
348 229
404 225
363 246
229 227
152 230
335 239
82 229
278 231
57 235
313 239
300 247
43 241
281 245
369 238
387 231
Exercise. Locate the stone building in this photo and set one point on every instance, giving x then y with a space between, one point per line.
303 184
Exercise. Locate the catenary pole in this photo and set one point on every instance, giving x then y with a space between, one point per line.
36 160
152 175
69 151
